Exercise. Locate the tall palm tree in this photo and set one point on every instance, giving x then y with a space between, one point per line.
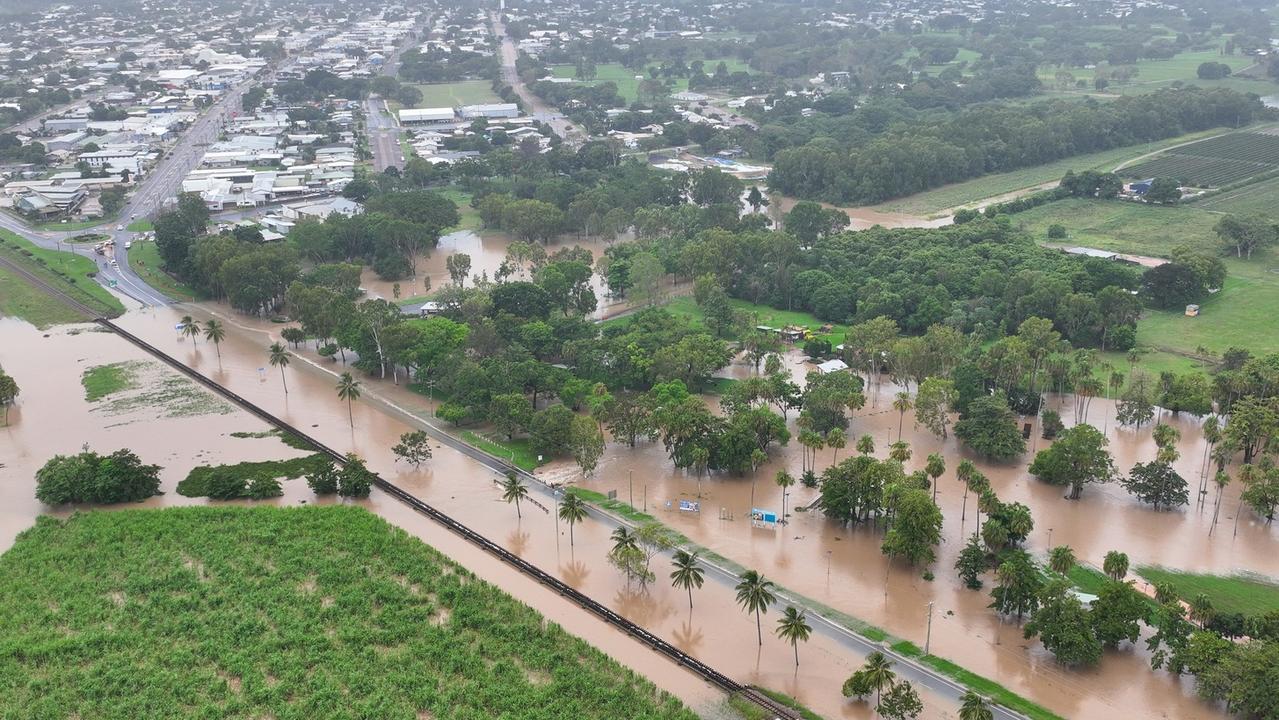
837 440
975 707
572 511
215 333
623 539
902 405
1222 480
866 444
784 481
190 328
513 491
701 459
1115 564
755 594
964 474
935 466
793 626
879 673
687 573
1201 609
280 358
1061 559
348 390
899 451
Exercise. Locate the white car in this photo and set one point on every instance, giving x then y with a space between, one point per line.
128 244
119 228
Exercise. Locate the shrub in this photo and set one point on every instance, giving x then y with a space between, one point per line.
92 478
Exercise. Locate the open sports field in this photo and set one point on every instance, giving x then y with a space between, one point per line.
1155 74
313 612
463 92
625 78
1214 162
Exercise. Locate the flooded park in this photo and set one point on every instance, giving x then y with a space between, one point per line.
839 567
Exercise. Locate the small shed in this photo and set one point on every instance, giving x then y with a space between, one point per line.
1192 311
831 366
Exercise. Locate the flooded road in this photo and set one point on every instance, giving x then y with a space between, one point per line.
53 417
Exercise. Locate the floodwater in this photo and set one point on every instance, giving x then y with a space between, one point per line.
487 250
863 217
53 417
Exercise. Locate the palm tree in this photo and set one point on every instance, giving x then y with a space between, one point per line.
1201 610
687 574
701 459
755 594
623 539
793 626
215 333
899 451
784 481
902 405
280 358
348 390
190 328
836 439
572 511
1222 480
1115 565
513 491
975 707
879 673
866 444
935 466
964 474
1061 559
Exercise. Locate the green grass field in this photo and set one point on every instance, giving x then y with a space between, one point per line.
281 612
628 86
144 259
66 271
1153 74
100 381
470 217
1237 594
1241 315
463 92
140 225
518 452
19 299
974 191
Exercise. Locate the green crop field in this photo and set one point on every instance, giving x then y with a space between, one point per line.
311 612
1261 198
463 92
1214 162
20 299
1240 315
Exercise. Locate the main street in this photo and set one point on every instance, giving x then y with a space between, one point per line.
380 127
533 104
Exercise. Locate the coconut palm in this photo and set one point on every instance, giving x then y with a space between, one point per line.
215 333
793 627
701 459
190 328
866 444
879 674
1115 565
935 466
687 573
975 707
280 358
513 491
755 594
1201 609
964 474
624 539
1061 559
899 451
784 481
348 390
572 511
837 440
902 405
1222 480
1212 435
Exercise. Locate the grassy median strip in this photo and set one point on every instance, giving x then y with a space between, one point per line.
65 271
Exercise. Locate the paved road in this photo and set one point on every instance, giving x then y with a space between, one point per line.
383 134
32 124
533 104
161 183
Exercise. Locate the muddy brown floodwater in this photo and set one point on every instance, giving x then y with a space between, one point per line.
54 417
864 217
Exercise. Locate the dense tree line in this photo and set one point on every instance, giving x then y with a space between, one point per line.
919 155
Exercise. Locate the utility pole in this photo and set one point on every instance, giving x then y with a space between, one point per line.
630 480
928 638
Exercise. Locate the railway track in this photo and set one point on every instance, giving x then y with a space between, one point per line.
706 672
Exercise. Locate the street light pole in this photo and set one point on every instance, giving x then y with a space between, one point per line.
630 480
828 552
928 638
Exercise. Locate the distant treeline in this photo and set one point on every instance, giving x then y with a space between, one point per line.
915 156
